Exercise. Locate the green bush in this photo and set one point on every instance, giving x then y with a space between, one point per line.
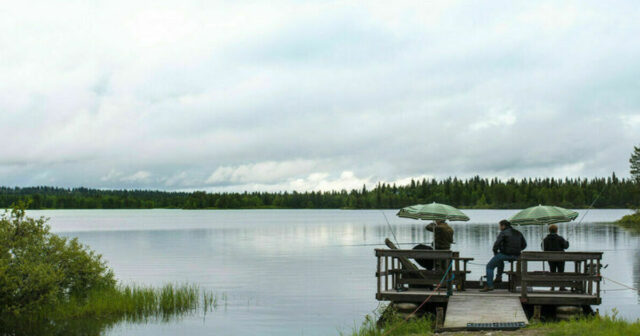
630 220
39 269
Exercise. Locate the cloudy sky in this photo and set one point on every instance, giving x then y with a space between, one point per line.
314 95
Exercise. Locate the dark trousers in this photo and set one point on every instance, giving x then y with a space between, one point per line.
556 266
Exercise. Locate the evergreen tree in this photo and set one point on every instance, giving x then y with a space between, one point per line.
635 164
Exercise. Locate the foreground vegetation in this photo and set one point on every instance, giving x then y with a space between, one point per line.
594 326
476 192
631 221
49 283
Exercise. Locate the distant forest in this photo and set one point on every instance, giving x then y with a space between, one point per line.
476 192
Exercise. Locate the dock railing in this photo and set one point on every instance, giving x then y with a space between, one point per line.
396 268
585 277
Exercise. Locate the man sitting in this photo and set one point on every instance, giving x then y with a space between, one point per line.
508 245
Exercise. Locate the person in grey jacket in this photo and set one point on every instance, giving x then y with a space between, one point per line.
508 245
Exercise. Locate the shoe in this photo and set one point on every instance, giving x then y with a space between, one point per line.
497 280
562 289
486 289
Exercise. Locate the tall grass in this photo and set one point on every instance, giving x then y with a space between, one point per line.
102 308
395 324
133 302
597 326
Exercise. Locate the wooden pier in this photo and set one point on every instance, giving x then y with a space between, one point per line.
401 280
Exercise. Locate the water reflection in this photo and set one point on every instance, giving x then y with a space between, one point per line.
303 272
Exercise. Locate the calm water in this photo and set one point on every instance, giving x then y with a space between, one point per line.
302 272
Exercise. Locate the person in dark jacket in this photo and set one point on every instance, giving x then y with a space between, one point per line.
442 237
555 242
442 234
508 245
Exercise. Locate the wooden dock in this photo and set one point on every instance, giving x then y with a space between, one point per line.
465 309
400 280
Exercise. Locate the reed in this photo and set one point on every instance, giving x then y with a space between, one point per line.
134 302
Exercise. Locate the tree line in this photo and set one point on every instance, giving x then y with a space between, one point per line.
476 192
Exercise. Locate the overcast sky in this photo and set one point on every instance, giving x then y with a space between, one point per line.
314 95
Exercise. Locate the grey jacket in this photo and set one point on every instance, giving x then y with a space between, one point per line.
510 242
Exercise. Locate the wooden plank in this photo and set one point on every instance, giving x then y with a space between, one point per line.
417 297
537 297
428 281
560 256
523 282
559 277
416 254
482 309
378 276
386 271
402 259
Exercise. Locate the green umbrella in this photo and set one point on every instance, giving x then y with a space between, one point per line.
543 214
433 211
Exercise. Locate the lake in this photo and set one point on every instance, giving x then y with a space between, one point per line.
304 272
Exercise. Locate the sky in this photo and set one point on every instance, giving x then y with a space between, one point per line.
314 95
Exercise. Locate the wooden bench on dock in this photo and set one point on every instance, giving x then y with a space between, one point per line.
395 269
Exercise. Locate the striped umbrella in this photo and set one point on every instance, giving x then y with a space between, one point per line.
543 214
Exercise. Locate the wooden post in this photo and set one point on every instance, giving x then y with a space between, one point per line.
591 272
386 273
536 312
393 276
439 318
523 277
379 285
598 281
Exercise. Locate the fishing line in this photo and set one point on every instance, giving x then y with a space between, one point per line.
374 244
390 228
621 284
592 203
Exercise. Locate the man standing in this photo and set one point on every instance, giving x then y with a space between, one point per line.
508 245
556 243
442 237
442 234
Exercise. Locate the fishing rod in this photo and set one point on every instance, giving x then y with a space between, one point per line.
390 228
378 244
592 203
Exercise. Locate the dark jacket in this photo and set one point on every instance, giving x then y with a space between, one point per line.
510 241
442 235
554 242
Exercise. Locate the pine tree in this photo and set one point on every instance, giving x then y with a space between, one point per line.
635 164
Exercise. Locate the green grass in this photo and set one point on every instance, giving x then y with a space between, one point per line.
101 309
135 302
395 323
597 326
594 326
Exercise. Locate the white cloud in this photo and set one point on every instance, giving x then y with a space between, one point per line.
285 95
140 176
494 119
262 172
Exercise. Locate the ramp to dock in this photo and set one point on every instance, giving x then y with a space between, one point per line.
485 309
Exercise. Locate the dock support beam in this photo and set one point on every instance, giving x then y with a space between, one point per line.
537 309
439 318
